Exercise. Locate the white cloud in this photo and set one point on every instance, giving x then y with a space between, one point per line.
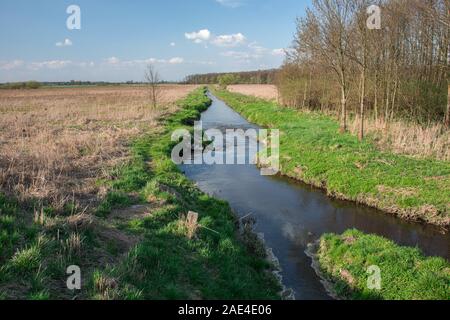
65 43
257 48
241 55
231 3
279 52
116 62
176 60
253 52
205 36
113 60
204 63
53 64
199 36
87 64
11 65
38 65
231 40
173 44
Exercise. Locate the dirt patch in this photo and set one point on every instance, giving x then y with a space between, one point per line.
134 212
346 275
264 91
401 192
122 241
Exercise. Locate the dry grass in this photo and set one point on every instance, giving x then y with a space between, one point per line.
56 143
264 91
403 138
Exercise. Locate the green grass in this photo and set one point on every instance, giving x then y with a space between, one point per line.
313 150
405 273
168 265
33 257
160 261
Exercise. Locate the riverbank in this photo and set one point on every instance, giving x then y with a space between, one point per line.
139 244
314 152
359 266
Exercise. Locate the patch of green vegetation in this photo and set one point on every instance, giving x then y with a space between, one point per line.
34 255
21 85
113 200
148 257
313 150
165 263
168 264
406 274
10 228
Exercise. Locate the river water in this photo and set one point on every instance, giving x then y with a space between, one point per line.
291 214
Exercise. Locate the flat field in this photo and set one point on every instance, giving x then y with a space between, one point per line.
89 182
56 143
263 91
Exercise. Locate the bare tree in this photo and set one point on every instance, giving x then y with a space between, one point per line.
359 49
443 18
324 35
398 72
154 81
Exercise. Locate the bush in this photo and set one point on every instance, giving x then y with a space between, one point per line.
228 79
21 85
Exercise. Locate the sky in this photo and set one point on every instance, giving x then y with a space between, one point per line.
116 39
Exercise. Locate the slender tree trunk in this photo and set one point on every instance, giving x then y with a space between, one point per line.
447 113
394 97
362 107
343 109
386 110
376 96
304 95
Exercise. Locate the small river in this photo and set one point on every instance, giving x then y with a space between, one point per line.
291 214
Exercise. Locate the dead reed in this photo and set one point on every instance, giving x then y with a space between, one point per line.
56 143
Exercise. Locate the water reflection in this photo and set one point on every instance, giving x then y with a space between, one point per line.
291 214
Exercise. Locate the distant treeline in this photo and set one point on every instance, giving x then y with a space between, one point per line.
248 77
37 85
21 85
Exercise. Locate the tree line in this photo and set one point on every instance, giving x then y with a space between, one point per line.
247 77
398 71
21 85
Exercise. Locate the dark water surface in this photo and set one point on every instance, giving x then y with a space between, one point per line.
291 214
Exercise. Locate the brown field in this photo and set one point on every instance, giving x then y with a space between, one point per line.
56 143
264 91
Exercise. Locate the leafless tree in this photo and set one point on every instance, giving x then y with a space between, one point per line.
154 82
324 35
359 49
399 71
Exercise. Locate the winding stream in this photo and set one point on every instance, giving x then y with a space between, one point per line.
291 214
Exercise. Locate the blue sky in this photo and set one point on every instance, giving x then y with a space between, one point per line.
119 37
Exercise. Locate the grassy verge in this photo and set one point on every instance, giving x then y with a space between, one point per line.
313 151
144 252
405 273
